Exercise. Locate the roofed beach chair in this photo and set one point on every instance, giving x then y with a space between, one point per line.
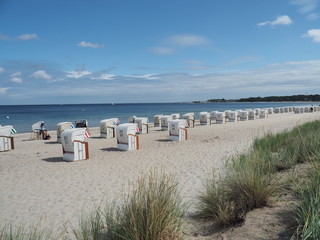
276 110
285 109
263 114
177 130
189 117
251 114
127 139
142 123
244 115
38 130
81 123
301 109
220 117
290 109
6 141
233 116
61 127
164 122
156 120
270 110
132 119
281 109
226 112
74 148
257 112
108 127
175 116
204 118
212 116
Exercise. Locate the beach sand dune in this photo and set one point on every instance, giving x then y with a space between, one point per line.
36 183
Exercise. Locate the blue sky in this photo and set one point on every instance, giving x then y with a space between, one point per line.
102 51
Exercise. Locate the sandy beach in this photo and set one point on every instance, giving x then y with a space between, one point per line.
36 183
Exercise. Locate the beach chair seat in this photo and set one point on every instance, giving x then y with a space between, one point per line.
74 148
38 131
189 117
6 141
204 118
142 123
175 116
61 127
156 120
177 130
127 139
81 123
108 127
233 116
220 117
164 122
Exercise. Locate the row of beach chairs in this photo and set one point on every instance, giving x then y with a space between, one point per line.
72 137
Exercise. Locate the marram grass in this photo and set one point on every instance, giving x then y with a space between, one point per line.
153 209
250 180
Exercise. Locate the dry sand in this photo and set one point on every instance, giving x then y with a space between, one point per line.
35 183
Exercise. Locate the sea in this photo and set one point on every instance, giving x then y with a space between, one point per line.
21 117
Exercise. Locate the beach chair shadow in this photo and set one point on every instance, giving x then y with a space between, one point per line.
53 159
111 149
164 140
52 142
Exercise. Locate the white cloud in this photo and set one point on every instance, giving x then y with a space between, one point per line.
163 50
314 34
104 76
306 6
41 74
28 36
17 74
281 20
89 44
77 74
2 70
188 40
16 80
3 90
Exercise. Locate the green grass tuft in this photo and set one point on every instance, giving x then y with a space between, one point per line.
153 209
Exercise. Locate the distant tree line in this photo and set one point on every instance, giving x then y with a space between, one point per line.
294 98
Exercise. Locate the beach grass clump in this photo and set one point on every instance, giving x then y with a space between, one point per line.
214 202
251 183
308 213
90 226
8 231
153 209
247 184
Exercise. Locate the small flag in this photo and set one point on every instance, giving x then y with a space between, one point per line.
187 125
13 130
72 126
87 134
137 129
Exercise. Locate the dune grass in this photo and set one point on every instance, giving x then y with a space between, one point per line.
308 213
90 226
22 232
153 209
250 180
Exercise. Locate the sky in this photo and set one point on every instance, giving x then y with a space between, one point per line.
138 51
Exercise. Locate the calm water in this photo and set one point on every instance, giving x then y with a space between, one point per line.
23 116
